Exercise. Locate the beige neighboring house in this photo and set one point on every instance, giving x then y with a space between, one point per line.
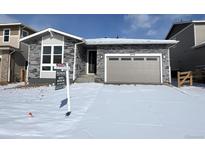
13 54
189 53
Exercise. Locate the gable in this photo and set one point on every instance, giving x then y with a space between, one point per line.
55 39
176 28
51 32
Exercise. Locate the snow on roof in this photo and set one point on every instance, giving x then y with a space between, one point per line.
9 24
202 44
50 30
107 41
15 24
198 21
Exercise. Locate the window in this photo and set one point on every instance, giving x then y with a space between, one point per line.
126 58
24 33
112 59
51 55
57 56
46 68
151 59
46 55
6 34
139 59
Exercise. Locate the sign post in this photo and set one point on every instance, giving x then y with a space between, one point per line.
68 90
62 80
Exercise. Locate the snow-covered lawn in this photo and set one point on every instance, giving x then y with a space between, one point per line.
103 111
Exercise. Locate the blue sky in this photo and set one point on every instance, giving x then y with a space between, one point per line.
92 26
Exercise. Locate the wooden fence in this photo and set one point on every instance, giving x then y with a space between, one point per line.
23 75
184 77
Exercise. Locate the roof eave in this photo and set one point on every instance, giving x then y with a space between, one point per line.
18 24
199 45
10 24
148 43
48 30
176 23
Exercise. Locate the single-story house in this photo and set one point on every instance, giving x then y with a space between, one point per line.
108 60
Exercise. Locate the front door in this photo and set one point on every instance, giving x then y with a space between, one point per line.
92 58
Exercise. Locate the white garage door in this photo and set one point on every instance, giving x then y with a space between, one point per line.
133 69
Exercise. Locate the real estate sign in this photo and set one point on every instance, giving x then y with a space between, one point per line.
60 79
61 67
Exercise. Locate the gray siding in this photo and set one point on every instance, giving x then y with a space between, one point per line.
101 50
196 58
178 54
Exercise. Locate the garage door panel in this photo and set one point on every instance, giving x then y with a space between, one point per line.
133 70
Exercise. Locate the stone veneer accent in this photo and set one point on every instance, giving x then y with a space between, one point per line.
35 59
81 59
69 54
105 49
4 66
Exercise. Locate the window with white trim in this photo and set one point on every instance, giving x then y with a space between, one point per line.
6 34
24 33
57 54
51 55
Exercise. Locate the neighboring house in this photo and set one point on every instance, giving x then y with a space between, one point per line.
189 53
108 60
13 54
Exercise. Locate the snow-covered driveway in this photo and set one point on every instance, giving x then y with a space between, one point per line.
103 111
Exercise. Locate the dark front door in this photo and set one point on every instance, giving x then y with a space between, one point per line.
92 58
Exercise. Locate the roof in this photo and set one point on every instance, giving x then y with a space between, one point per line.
178 26
7 47
202 44
110 41
101 41
17 24
50 30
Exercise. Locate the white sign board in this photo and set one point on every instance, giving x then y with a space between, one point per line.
64 67
61 67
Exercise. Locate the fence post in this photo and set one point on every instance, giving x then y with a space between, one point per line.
21 75
178 79
191 79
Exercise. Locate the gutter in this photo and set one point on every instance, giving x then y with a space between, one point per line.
9 72
75 56
173 45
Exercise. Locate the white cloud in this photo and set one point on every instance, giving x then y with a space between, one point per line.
151 25
151 32
140 21
7 19
40 22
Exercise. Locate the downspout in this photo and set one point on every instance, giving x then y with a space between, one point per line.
9 70
75 56
28 63
170 75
